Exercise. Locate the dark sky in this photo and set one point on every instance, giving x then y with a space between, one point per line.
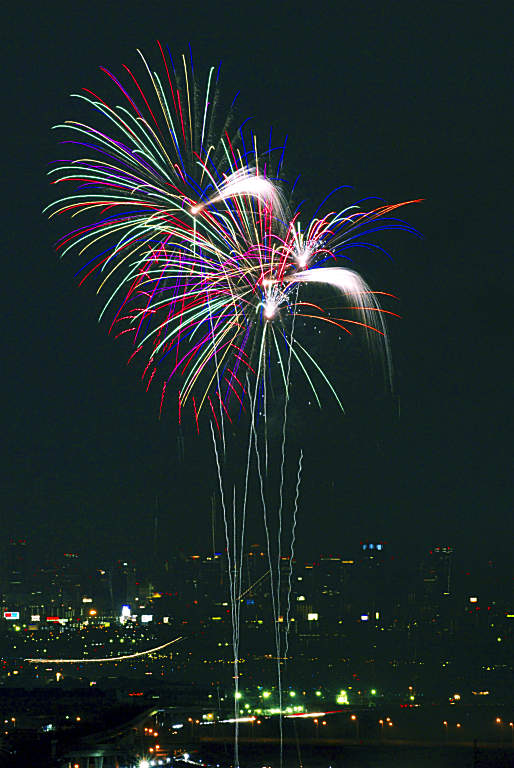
400 100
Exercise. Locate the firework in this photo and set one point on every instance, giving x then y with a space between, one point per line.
86 660
187 226
189 233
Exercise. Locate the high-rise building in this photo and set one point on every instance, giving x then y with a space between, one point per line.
15 570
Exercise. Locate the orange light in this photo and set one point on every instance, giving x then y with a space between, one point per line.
498 720
157 746
381 722
92 612
324 722
353 717
445 722
458 725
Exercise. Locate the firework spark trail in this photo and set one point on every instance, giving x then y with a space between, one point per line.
109 658
236 569
279 537
291 555
271 570
231 555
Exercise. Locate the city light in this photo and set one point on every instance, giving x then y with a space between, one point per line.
63 624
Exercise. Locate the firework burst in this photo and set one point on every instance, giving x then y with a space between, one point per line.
190 235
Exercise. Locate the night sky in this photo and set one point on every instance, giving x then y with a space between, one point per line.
399 100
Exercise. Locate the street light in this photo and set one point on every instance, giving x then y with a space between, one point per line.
356 721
